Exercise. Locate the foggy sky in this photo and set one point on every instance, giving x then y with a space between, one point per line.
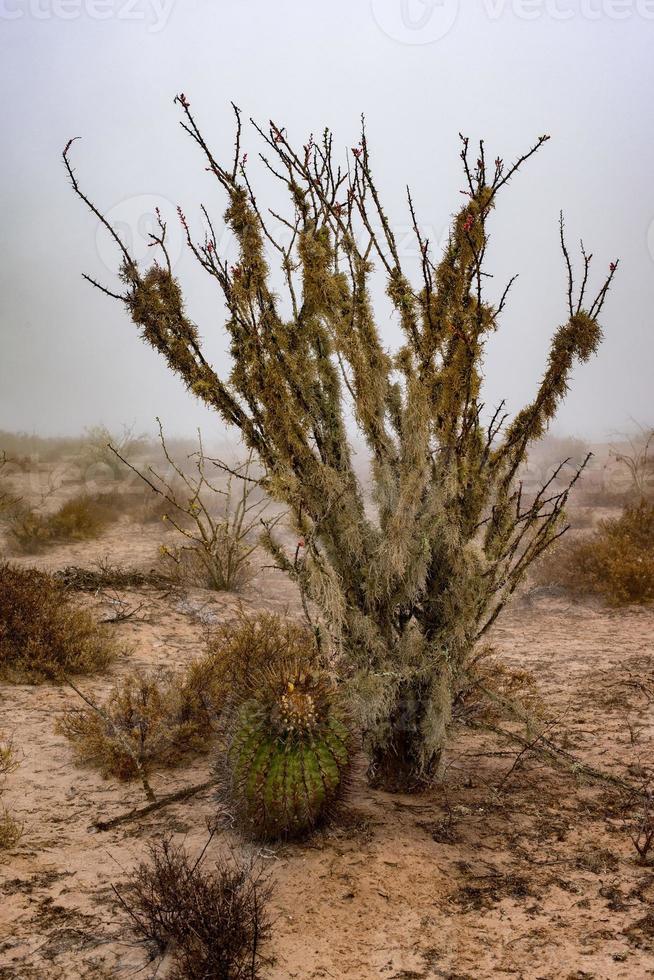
504 70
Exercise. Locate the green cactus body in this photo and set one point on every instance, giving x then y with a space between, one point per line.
288 755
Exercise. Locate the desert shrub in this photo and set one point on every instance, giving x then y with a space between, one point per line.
43 634
81 517
222 566
409 578
10 830
547 454
148 719
240 651
96 454
215 546
616 561
636 456
212 922
492 685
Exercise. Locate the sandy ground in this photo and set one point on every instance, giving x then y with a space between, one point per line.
510 868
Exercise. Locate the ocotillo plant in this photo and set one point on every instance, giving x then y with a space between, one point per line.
406 588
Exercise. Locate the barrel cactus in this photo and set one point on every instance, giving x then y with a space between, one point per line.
288 753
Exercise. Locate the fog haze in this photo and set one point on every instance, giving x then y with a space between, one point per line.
507 72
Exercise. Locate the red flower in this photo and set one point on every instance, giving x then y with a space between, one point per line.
301 543
469 222
613 266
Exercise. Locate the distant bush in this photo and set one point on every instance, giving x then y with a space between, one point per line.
26 448
8 501
212 922
551 450
149 718
615 562
96 452
215 547
43 635
81 517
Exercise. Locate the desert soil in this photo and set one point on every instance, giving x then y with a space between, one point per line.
509 868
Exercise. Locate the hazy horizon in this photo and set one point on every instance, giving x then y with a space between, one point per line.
421 72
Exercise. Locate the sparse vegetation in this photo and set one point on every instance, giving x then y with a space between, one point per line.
639 822
240 651
104 575
8 500
10 830
96 456
638 459
43 634
149 719
213 922
28 449
217 547
79 518
406 589
615 562
155 719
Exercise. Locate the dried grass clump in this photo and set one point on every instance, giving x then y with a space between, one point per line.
245 648
492 687
82 517
10 830
616 562
149 719
43 635
104 575
212 922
